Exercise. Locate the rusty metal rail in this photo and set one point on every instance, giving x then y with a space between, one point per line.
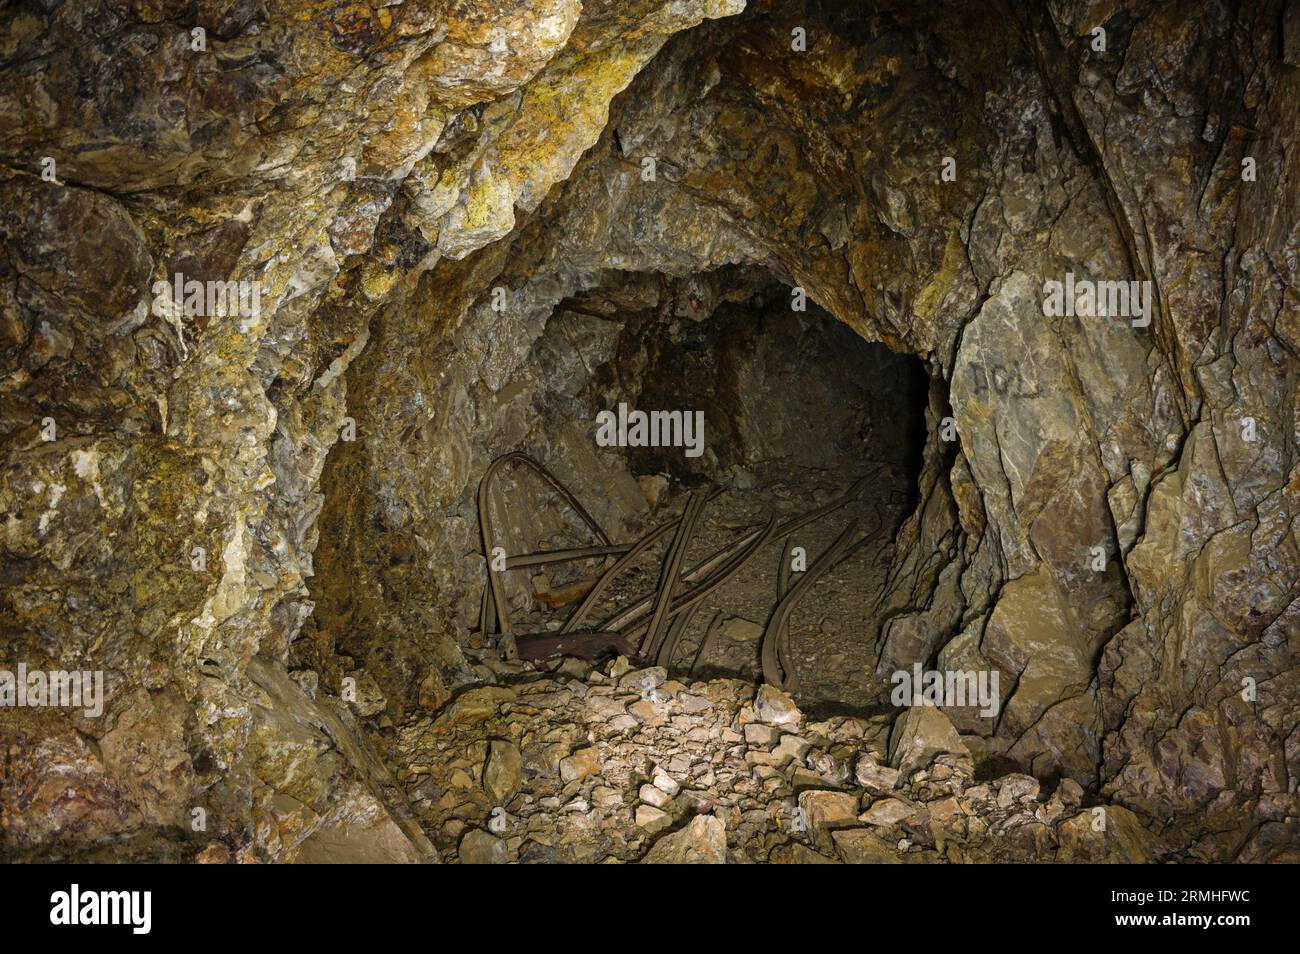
495 604
643 603
724 572
618 568
669 572
774 652
667 611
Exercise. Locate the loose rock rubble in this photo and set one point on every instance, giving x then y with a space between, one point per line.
626 765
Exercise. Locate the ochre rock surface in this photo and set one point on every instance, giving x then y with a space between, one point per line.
198 504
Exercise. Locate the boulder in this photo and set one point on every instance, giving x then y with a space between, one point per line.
922 733
702 842
581 764
858 846
480 848
774 707
824 812
503 771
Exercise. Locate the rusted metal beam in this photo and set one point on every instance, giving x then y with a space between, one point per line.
589 645
613 572
783 569
671 568
619 567
497 604
665 613
710 583
544 557
675 631
645 602
772 652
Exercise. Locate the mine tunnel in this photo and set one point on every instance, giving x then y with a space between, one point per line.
606 431
769 406
753 399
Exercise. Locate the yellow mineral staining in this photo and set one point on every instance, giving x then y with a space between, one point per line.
954 258
560 116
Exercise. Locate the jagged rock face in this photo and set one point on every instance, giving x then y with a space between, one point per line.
380 170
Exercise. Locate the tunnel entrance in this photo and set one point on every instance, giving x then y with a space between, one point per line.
787 447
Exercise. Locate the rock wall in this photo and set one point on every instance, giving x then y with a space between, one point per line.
331 152
381 169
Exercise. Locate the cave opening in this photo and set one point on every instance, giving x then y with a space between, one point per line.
734 391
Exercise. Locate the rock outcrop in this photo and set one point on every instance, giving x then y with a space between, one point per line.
252 508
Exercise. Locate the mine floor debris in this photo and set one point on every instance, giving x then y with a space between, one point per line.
732 566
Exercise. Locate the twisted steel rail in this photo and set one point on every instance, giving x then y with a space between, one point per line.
667 611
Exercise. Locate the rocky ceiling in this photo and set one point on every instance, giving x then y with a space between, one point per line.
238 514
